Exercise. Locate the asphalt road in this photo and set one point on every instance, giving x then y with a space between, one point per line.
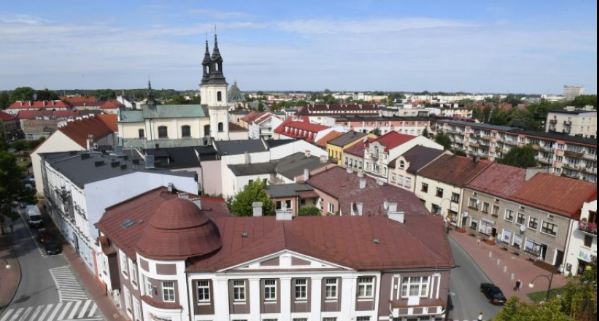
465 281
48 289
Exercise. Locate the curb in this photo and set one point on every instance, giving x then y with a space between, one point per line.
20 278
470 256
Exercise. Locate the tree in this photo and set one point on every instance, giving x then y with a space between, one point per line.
516 310
443 140
260 106
241 205
376 131
11 188
4 100
46 95
22 93
309 211
523 157
580 295
585 100
425 132
106 94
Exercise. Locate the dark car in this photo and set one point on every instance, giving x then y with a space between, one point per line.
43 236
493 293
52 248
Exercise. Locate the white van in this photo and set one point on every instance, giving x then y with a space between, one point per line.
34 217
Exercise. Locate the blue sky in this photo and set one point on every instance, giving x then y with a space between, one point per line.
500 46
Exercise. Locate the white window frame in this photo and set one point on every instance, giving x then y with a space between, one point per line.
270 290
331 289
530 218
421 282
331 208
133 271
301 290
508 211
127 300
149 287
167 291
203 288
239 295
124 264
556 227
366 287
137 310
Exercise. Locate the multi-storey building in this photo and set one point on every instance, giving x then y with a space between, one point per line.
573 157
413 126
320 114
206 265
571 92
353 157
404 169
336 147
8 125
263 126
573 121
51 105
385 149
581 250
527 214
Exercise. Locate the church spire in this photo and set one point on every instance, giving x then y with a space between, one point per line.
216 71
151 99
216 52
206 65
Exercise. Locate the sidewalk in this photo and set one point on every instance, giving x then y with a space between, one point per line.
88 280
9 278
487 256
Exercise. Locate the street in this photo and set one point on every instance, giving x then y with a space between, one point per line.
48 290
466 297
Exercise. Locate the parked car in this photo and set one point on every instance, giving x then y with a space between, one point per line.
52 248
43 236
493 293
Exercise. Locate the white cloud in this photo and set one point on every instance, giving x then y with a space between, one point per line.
22 20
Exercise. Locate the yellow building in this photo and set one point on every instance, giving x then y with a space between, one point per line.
337 146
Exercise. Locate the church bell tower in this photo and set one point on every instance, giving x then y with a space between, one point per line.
213 91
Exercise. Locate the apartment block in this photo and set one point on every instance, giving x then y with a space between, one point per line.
572 121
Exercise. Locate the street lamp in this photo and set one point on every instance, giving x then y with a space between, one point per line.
549 278
7 264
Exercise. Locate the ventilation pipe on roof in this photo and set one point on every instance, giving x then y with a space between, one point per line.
306 174
307 153
170 187
257 207
323 159
350 171
247 158
360 174
392 207
90 141
362 183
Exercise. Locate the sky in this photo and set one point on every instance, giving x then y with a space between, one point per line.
500 46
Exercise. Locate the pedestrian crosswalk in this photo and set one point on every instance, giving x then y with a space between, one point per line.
69 289
65 311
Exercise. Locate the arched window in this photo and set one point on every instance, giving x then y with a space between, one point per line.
207 130
162 132
142 133
221 127
185 131
402 164
219 96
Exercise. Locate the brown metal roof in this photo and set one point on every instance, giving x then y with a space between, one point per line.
454 170
499 180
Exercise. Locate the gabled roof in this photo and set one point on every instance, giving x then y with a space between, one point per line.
420 156
80 100
50 104
347 138
345 187
392 140
111 120
316 110
239 147
236 128
162 112
555 194
454 170
80 130
359 148
290 167
6 117
499 180
300 129
112 105
327 138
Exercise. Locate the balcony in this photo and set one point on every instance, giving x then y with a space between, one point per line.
548 149
567 123
573 154
572 167
590 157
589 170
553 121
511 142
588 228
546 161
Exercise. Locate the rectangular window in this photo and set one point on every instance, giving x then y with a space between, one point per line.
331 286
473 223
588 241
521 219
473 203
509 215
128 300
168 291
424 188
414 287
533 223
270 290
239 291
549 228
495 210
408 182
137 308
455 197
439 192
401 178
124 264
486 208
363 319
203 291
329 319
365 288
301 289
331 208
133 267
149 288
162 132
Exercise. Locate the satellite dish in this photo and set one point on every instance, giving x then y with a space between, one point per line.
522 228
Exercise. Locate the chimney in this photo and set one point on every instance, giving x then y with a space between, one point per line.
170 187
184 196
90 141
306 174
350 171
323 159
533 171
362 183
149 161
307 153
397 216
257 206
247 158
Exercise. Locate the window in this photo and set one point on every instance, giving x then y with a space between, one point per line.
393 178
408 182
588 241
402 164
149 288
495 210
329 319
239 291
363 319
473 203
133 267
533 223
424 188
301 289
455 197
331 208
219 96
203 291
137 308
365 288
486 207
401 179
141 133
331 286
207 130
221 127
168 291
162 132
270 290
509 215
186 131
127 300
440 192
521 219
549 228
414 287
473 223
124 264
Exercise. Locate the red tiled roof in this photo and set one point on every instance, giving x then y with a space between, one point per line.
300 129
34 114
359 148
253 115
555 194
80 100
79 130
52 104
112 105
326 139
499 180
392 139
454 170
311 110
111 120
7 117
262 118
66 113
236 128
345 187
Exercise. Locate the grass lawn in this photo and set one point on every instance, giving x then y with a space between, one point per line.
540 296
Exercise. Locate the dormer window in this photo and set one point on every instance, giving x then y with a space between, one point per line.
402 164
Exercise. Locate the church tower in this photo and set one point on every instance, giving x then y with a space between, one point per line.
213 91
